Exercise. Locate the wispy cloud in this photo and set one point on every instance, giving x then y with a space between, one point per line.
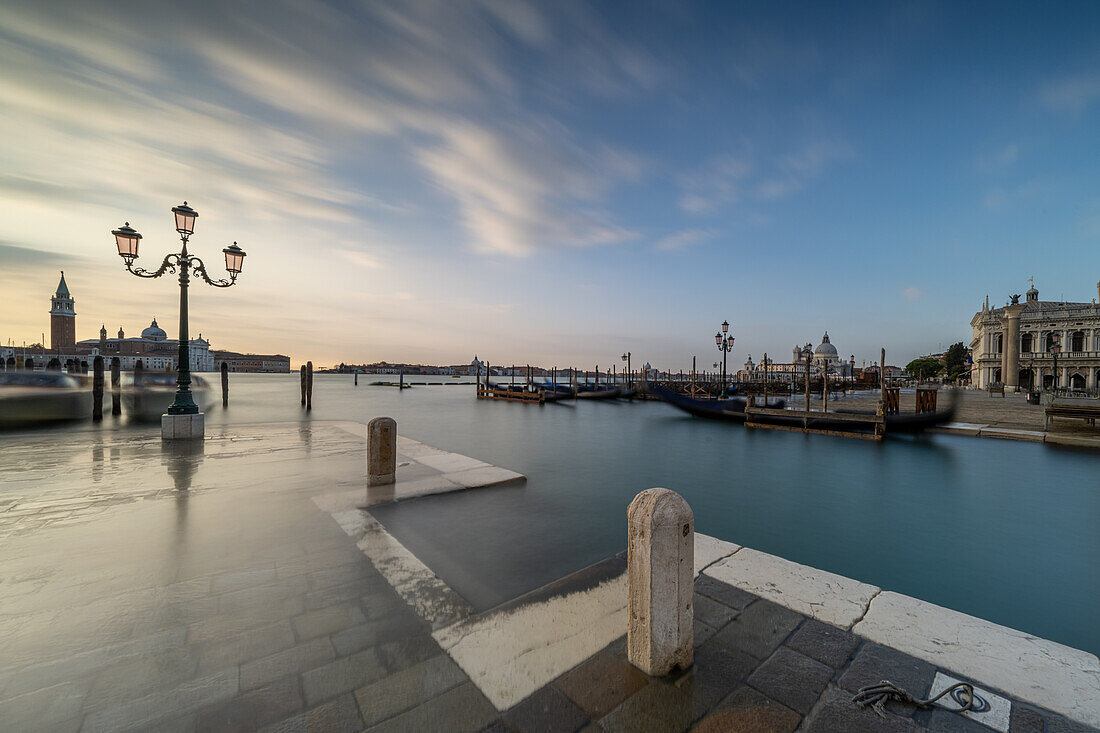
999 158
1072 94
684 239
912 293
728 179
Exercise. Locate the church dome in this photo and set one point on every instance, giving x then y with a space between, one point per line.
154 332
825 348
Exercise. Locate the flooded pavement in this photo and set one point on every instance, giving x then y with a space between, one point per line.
146 586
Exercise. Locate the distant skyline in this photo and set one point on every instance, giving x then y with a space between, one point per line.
555 182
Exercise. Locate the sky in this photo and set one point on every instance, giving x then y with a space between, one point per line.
553 183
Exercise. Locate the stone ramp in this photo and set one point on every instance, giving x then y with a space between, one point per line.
421 471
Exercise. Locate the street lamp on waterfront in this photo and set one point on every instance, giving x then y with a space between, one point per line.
128 241
1054 348
725 345
626 358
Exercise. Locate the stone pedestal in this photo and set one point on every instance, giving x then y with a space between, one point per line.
660 581
381 451
183 427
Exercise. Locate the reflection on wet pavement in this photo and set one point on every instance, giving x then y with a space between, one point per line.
151 585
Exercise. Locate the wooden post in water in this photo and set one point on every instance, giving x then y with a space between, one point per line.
225 384
303 377
97 389
808 361
401 381
309 385
825 388
765 379
356 377
529 385
116 383
692 393
882 375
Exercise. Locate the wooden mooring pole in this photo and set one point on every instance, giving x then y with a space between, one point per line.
225 384
309 385
116 383
303 378
97 389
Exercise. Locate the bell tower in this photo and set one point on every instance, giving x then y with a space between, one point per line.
62 318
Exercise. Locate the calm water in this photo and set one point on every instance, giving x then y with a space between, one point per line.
1002 530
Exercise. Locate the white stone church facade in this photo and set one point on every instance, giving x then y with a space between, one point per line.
1012 344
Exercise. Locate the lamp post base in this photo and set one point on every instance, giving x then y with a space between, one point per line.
183 427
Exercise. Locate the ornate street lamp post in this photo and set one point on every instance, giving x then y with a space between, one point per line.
1055 347
725 345
128 241
626 358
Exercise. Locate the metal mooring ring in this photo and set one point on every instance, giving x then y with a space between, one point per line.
960 695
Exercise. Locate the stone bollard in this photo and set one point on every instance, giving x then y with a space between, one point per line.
381 451
660 582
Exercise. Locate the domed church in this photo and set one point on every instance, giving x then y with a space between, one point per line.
825 355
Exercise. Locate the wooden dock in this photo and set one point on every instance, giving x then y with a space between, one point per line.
876 423
489 393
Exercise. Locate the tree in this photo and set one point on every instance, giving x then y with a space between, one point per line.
954 361
921 369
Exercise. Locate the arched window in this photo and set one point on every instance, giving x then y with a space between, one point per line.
1050 341
1077 341
1000 343
1077 381
1025 343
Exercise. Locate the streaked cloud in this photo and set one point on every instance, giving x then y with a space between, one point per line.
684 239
1071 94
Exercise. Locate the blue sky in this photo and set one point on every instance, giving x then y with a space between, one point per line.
553 182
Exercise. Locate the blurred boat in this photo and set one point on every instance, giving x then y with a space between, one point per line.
37 398
147 395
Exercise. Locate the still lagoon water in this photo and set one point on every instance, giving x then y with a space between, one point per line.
1002 530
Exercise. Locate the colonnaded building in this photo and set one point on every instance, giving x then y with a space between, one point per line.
1012 344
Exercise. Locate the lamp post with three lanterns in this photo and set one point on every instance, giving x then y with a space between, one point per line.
725 345
185 263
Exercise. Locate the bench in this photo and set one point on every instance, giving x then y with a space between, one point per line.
1077 411
996 389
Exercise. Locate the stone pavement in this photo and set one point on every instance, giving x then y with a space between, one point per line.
149 587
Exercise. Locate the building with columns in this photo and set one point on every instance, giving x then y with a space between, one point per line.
1012 344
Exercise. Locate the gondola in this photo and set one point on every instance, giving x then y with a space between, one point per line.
733 410
597 394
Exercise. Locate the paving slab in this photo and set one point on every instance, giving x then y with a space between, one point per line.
709 550
749 711
600 684
1043 672
960 428
1033 436
816 593
513 652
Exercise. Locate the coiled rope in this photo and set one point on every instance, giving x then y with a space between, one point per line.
876 697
